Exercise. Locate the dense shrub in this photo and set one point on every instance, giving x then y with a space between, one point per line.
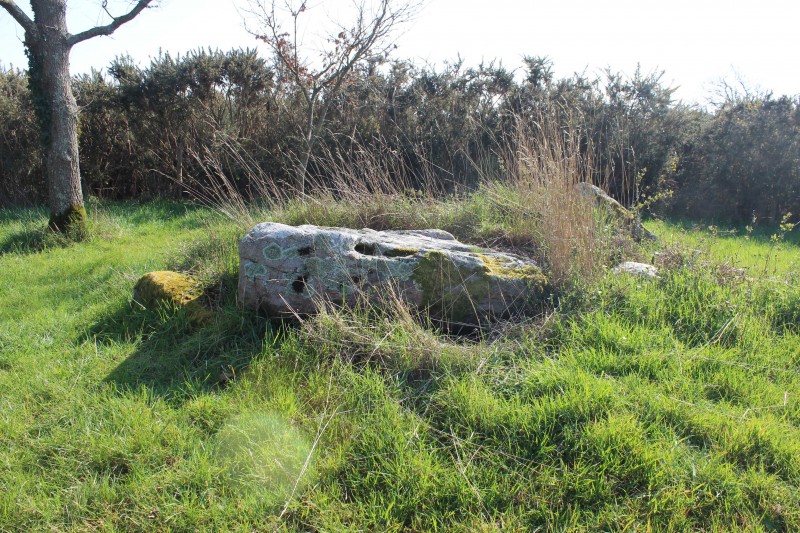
181 121
743 164
20 155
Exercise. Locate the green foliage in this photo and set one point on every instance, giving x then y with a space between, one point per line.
669 404
181 123
742 164
21 171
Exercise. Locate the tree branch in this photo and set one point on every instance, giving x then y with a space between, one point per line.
108 29
18 15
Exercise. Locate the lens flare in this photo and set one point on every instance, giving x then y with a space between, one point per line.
263 455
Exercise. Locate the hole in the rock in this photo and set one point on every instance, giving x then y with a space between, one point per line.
356 280
365 248
305 250
299 284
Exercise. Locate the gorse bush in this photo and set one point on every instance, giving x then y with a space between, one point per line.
21 174
742 165
151 131
141 126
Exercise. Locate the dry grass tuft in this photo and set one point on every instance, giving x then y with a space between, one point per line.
529 205
544 172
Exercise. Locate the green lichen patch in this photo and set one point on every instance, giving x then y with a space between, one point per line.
174 289
271 252
254 270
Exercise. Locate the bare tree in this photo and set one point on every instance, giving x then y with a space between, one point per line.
368 36
48 44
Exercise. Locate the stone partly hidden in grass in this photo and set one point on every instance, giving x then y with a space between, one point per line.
173 289
636 269
287 270
616 210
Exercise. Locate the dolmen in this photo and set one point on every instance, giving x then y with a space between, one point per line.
287 271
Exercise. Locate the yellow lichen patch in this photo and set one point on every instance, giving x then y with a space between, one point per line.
527 273
165 287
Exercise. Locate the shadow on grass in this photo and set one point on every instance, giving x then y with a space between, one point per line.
28 233
137 213
33 240
26 241
172 354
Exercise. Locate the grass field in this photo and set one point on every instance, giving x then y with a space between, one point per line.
630 405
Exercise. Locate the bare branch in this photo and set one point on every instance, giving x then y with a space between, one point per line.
18 15
368 36
108 29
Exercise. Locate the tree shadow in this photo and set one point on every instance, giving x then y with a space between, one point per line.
31 240
187 215
24 242
173 355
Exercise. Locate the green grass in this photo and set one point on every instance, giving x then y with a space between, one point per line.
763 251
664 405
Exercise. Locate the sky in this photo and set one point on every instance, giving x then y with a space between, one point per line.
697 43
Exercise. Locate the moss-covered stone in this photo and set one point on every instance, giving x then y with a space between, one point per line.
174 289
439 279
72 221
290 271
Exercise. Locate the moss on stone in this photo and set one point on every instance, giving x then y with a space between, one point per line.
447 290
71 221
531 275
174 289
454 291
400 252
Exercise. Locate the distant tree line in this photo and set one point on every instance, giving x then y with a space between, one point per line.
150 131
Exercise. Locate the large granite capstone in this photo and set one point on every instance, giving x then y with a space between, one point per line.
287 271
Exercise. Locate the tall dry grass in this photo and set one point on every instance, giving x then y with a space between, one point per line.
529 204
352 184
544 171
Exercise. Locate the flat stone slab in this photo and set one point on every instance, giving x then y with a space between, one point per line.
286 271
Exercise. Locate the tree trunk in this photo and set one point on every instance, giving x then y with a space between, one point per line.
48 43
58 113
313 131
302 166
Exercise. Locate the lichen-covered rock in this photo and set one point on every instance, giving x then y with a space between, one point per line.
637 269
287 270
624 216
165 287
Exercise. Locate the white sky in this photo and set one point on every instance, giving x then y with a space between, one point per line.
697 42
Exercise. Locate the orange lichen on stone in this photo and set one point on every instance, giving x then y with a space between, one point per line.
174 289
